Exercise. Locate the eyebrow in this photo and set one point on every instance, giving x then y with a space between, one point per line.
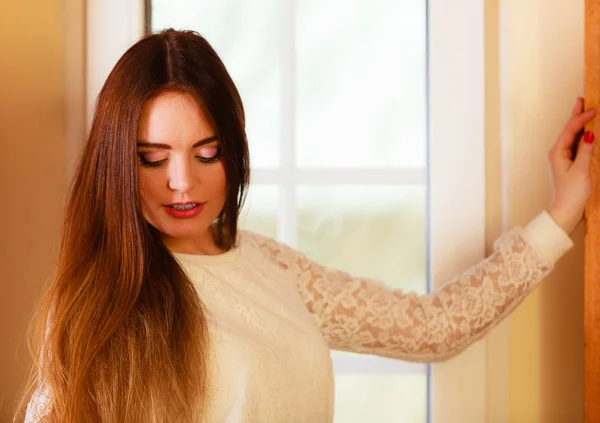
168 147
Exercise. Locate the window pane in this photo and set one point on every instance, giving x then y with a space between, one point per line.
260 210
244 34
381 398
374 231
361 83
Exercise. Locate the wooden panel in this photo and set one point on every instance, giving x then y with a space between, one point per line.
592 236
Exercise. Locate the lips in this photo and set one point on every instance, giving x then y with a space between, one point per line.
184 210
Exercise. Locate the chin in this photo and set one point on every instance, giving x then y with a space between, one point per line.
183 233
180 229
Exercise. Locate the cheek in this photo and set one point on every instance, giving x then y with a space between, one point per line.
215 184
150 184
221 182
149 194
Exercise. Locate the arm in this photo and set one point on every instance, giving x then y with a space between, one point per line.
363 315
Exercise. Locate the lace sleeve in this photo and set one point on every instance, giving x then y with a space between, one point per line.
40 406
363 315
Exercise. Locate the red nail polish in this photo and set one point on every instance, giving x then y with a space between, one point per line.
589 137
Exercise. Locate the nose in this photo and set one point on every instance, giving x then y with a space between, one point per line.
180 175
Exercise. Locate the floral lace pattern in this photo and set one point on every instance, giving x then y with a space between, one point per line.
363 315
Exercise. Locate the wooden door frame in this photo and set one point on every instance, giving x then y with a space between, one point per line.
592 235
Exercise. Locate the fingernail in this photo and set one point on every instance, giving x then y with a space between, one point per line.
589 137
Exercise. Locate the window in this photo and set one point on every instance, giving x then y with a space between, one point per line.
365 123
337 124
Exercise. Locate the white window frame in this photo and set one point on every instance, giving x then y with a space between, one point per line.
456 147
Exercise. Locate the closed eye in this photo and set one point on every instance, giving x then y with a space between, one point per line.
147 160
209 154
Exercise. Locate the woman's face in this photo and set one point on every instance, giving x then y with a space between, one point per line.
182 179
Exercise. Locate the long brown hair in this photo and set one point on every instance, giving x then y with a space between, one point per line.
121 335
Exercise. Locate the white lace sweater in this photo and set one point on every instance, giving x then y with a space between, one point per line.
274 315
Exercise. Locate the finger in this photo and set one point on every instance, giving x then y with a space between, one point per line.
578 108
570 131
584 153
578 122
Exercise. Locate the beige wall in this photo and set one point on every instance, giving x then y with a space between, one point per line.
535 72
35 144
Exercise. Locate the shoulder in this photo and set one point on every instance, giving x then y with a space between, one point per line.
260 247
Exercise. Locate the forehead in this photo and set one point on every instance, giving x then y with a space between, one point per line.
174 118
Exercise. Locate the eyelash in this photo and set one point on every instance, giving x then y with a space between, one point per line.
204 160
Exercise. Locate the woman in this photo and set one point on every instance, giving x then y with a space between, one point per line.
162 311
